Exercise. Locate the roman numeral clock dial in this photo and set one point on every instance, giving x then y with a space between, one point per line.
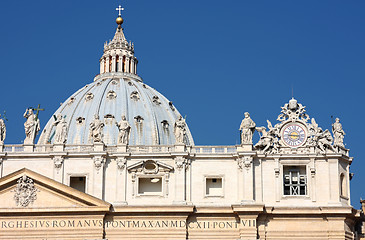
294 135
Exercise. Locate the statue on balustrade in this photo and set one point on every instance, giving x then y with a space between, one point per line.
180 130
338 133
247 129
2 130
96 130
61 130
124 130
31 126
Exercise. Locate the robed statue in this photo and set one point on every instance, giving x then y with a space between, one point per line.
61 130
96 130
2 130
247 129
180 130
338 133
124 130
31 126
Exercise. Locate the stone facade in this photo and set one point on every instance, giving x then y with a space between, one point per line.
93 176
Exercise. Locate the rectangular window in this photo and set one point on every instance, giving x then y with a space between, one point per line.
213 186
295 180
150 186
78 183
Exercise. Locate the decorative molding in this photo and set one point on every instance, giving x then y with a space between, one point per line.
58 161
244 162
99 162
121 162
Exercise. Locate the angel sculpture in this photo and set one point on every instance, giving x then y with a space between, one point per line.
325 140
265 141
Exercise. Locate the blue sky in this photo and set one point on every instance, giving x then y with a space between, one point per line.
213 59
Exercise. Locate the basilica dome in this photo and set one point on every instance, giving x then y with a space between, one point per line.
117 91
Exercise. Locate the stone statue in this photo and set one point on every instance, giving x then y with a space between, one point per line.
96 130
61 130
124 130
247 129
2 130
324 140
180 130
265 141
338 133
31 126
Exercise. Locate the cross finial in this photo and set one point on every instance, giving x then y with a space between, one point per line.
119 9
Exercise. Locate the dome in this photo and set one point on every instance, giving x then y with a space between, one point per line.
117 91
111 95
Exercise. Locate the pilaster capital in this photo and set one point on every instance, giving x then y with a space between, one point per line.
121 162
99 162
245 162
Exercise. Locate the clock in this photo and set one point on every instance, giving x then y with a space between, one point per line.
294 135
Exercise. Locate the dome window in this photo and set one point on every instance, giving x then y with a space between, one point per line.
111 95
156 100
80 120
135 96
138 119
165 125
115 82
71 101
171 106
130 83
89 96
109 118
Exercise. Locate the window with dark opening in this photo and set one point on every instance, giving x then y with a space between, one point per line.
78 183
295 180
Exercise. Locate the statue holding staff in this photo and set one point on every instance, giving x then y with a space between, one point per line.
31 126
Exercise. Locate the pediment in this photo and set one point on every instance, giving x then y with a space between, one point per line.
150 167
25 189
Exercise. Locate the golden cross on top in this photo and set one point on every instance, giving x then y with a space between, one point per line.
120 9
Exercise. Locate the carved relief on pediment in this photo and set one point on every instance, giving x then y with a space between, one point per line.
25 191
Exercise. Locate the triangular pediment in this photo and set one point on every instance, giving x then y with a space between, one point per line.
150 167
25 189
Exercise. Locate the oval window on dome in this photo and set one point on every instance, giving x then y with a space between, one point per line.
89 96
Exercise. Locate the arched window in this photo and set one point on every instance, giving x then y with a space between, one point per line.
123 64
343 190
117 64
104 65
110 63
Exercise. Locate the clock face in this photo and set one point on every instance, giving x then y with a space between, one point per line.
294 135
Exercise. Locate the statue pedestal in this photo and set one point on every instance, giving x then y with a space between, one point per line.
244 148
99 147
58 147
180 147
122 148
28 147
